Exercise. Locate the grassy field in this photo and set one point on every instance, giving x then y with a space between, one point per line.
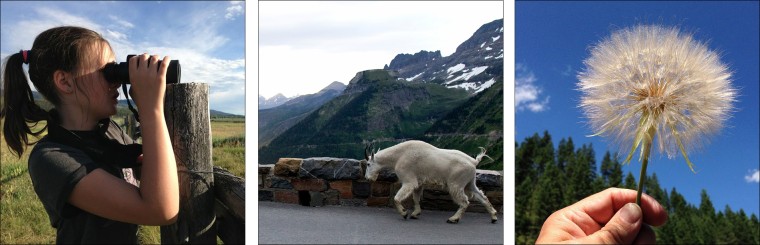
23 219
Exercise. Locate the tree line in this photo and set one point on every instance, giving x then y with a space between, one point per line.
549 179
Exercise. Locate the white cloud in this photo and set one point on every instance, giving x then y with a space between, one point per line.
302 70
226 78
110 34
196 47
235 9
753 176
527 93
201 32
318 42
63 18
230 99
121 22
21 34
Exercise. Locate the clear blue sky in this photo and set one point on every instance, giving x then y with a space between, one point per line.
207 37
553 38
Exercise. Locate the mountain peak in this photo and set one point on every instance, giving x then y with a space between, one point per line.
274 101
364 79
422 57
477 63
337 86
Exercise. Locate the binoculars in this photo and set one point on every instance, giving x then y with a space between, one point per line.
119 72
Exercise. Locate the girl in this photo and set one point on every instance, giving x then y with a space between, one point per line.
78 169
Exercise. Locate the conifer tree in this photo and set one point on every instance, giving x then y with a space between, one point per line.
652 188
612 171
630 182
726 228
606 167
546 198
565 152
705 205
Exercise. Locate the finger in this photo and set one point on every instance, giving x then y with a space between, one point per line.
646 235
133 64
153 61
601 206
164 66
654 213
623 228
143 58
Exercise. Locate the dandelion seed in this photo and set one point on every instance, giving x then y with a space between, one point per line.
651 83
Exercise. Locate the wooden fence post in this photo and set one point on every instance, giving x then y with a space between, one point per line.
130 126
187 117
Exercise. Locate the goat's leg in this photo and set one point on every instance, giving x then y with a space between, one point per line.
403 193
459 197
477 194
417 195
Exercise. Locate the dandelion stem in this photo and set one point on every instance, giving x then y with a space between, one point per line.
645 150
642 177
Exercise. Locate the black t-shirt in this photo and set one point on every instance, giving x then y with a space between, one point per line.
56 168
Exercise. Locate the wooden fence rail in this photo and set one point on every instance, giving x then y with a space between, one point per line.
230 206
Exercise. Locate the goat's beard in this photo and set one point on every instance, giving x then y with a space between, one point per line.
372 175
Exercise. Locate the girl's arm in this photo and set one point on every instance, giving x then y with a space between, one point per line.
156 202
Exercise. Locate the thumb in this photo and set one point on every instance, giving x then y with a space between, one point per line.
621 229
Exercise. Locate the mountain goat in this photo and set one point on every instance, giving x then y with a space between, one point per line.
417 163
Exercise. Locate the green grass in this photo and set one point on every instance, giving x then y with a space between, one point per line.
228 141
24 220
22 217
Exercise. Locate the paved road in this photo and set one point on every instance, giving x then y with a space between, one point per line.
289 223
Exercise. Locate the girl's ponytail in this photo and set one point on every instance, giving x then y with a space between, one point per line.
18 106
58 48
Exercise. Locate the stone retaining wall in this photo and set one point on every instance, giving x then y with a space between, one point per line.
340 181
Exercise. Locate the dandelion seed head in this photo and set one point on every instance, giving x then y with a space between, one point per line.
654 77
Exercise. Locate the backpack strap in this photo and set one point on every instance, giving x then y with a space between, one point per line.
103 150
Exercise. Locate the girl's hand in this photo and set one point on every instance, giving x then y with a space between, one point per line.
148 80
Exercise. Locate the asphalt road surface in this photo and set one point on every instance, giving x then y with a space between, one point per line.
282 223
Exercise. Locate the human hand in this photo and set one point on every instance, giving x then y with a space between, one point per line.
148 80
610 216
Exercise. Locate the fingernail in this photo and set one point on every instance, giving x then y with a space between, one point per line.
631 213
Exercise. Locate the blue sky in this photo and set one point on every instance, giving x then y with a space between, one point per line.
553 38
208 38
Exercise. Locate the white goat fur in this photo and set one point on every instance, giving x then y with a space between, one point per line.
417 163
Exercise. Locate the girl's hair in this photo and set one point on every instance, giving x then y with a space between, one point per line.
61 48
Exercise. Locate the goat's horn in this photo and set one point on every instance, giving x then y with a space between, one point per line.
366 152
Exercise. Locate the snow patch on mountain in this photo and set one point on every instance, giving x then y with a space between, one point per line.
455 68
485 85
415 76
467 86
467 75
